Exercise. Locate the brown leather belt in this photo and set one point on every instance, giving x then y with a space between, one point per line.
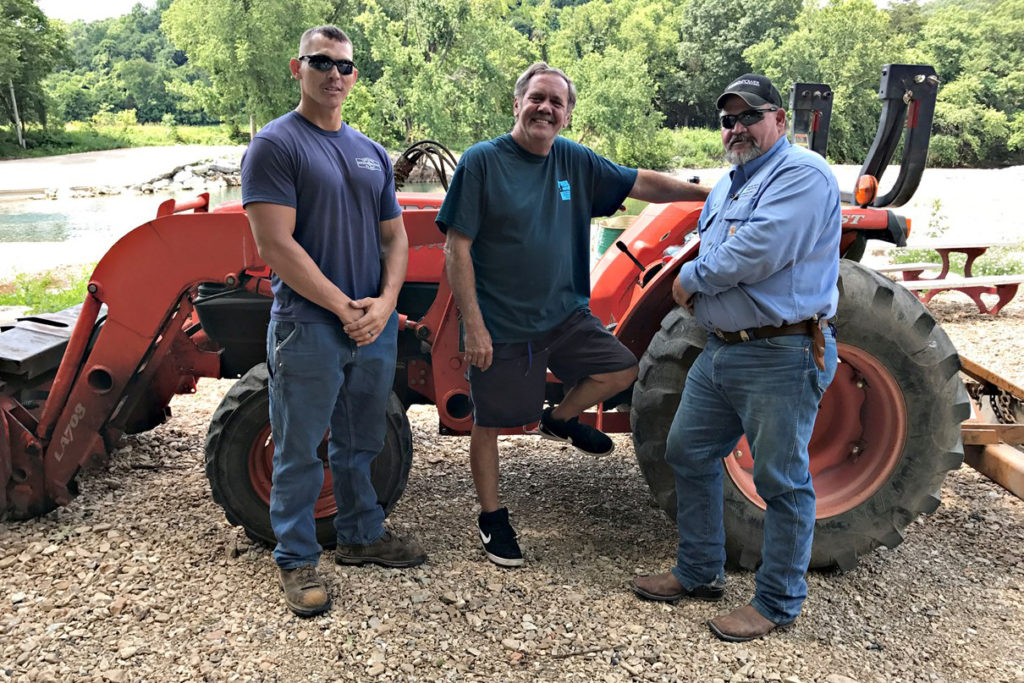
813 327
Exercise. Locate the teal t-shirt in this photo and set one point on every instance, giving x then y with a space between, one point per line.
529 217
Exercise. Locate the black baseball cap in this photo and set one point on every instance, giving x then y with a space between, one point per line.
755 89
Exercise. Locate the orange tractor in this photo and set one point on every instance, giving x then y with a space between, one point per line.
186 296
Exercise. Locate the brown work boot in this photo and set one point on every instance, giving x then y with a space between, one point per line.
666 588
304 591
387 551
742 624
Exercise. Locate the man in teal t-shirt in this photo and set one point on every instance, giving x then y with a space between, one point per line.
517 217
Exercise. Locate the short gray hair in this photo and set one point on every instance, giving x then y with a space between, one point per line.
327 31
537 69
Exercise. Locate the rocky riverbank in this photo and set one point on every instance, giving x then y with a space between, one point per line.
98 174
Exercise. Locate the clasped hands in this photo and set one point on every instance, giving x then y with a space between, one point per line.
364 319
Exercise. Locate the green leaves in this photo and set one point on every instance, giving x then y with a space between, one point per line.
30 48
445 69
243 47
844 43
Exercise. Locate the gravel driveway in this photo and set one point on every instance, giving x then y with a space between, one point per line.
141 578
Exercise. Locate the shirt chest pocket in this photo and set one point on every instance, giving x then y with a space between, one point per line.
737 211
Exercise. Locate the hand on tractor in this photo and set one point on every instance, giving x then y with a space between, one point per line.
682 297
366 328
479 349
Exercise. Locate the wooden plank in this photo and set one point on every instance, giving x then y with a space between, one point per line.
897 267
981 433
1001 463
972 369
962 282
966 244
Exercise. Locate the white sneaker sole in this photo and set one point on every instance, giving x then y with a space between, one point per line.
555 437
504 561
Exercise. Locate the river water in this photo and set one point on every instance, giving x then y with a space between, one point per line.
39 234
36 235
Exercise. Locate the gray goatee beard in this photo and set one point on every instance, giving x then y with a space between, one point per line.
739 158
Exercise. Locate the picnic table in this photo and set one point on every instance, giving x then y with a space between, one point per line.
1002 286
971 248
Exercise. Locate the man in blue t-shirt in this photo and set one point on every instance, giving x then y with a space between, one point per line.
764 287
321 202
517 218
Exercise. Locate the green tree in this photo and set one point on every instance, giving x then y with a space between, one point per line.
30 48
967 132
437 69
619 53
978 52
843 44
121 63
712 51
616 116
244 47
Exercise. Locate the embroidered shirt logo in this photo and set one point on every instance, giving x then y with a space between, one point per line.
368 163
564 190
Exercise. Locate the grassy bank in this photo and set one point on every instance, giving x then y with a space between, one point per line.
52 290
689 147
108 132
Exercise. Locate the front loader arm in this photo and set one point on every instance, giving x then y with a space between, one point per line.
145 282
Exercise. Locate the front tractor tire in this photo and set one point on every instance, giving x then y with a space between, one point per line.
887 432
239 461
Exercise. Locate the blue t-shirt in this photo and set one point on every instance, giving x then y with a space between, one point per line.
769 243
341 185
529 218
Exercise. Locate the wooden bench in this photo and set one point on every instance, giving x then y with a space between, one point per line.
1002 286
910 271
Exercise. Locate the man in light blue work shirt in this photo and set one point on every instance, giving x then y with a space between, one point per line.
764 285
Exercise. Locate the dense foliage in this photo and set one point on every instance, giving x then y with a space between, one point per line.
444 69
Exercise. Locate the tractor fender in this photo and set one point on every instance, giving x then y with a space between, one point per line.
615 276
651 300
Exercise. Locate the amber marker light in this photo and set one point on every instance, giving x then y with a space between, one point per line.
867 190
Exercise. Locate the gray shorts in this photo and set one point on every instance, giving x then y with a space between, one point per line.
510 393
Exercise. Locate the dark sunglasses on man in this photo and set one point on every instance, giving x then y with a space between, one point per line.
747 118
325 64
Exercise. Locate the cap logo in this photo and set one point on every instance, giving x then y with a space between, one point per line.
744 81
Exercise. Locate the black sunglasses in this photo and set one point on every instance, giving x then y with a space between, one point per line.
747 118
325 63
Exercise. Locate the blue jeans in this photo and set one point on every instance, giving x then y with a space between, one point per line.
768 389
320 379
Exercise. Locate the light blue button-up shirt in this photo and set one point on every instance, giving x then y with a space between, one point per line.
769 250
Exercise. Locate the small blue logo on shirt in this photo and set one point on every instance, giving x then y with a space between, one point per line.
368 163
564 191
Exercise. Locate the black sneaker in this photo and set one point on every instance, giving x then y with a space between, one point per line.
499 538
584 437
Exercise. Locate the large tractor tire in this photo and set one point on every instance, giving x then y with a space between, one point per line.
887 432
239 461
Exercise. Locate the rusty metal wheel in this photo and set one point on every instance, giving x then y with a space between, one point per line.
887 432
239 461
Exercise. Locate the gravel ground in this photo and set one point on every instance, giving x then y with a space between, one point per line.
141 578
